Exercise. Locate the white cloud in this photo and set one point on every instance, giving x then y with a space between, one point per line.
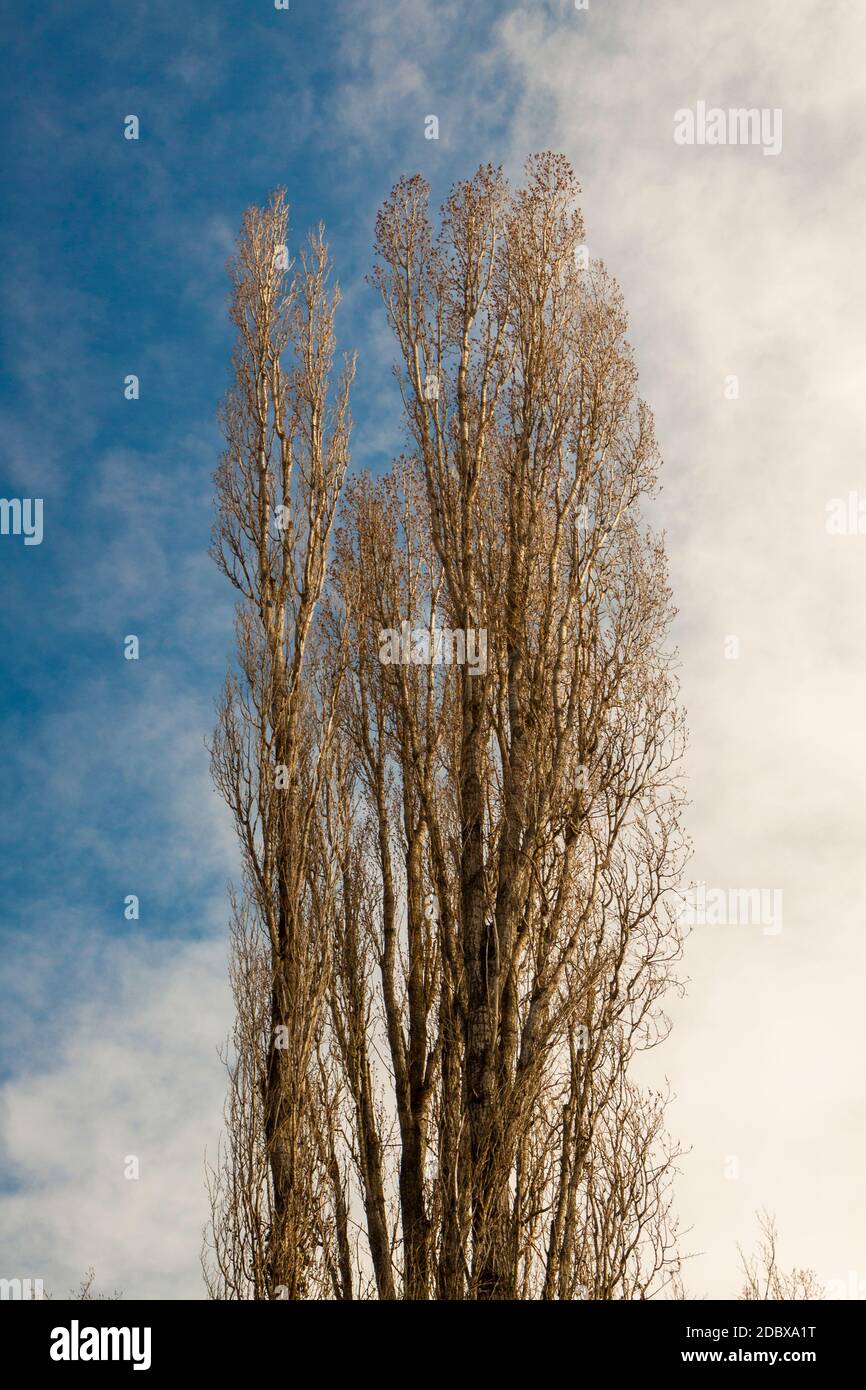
130 1068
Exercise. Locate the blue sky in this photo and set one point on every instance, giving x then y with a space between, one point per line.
114 255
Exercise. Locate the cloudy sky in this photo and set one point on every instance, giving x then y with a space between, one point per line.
734 264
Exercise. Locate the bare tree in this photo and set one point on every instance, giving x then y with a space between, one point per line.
463 887
85 1293
286 428
548 844
762 1276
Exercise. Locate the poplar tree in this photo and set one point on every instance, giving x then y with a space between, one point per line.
456 914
